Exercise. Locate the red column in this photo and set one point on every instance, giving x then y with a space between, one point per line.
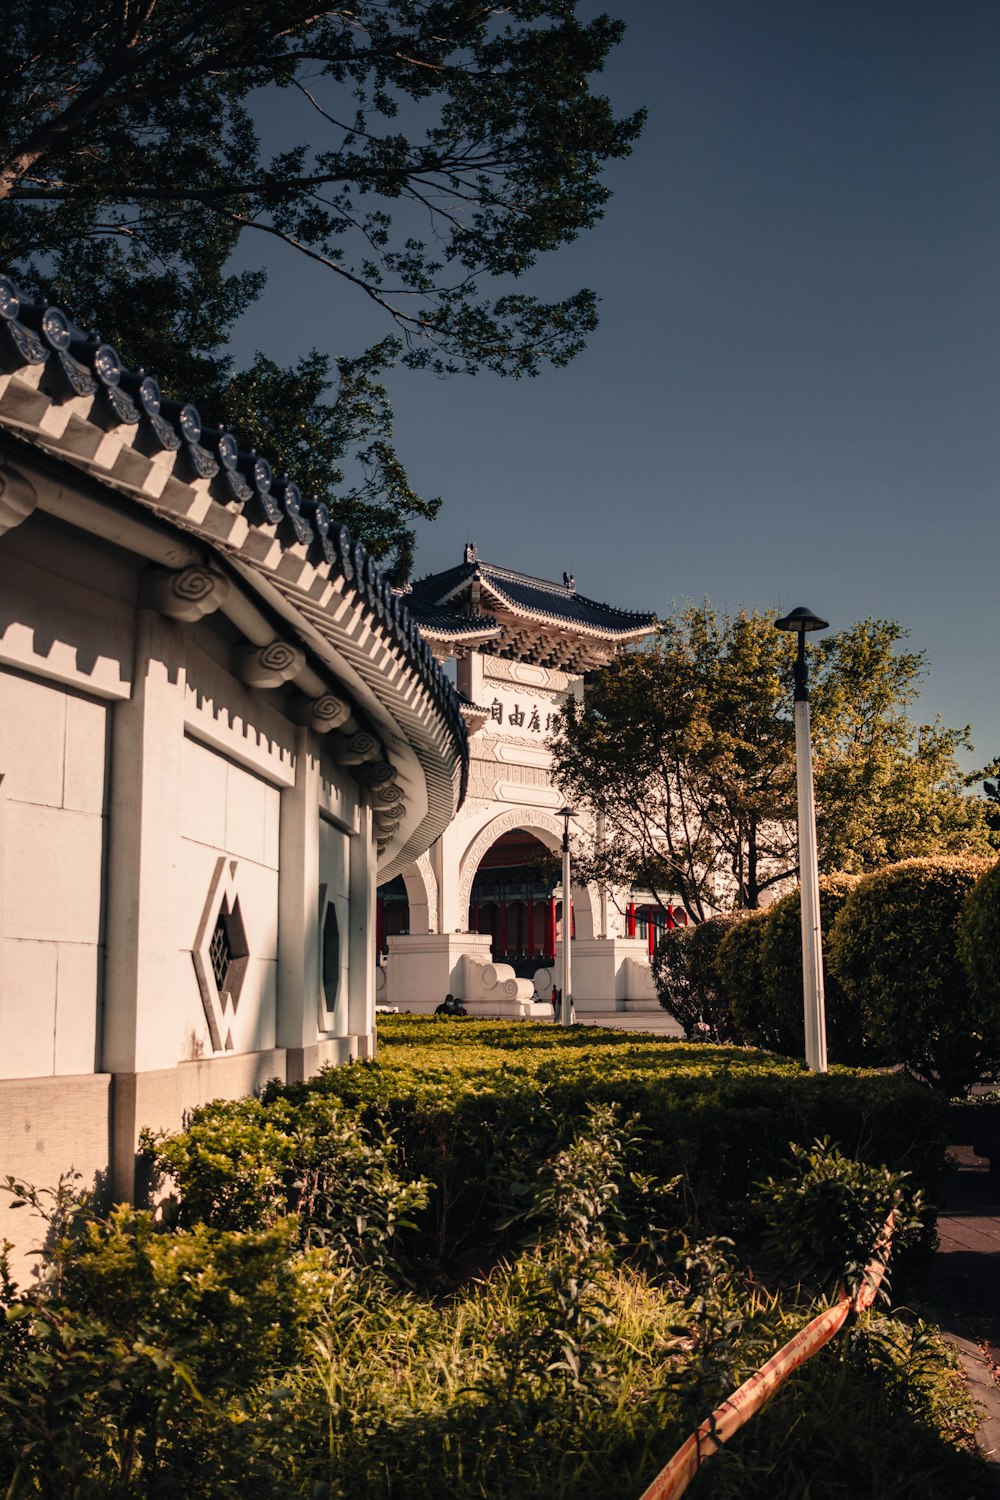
670 916
531 929
630 920
552 929
651 933
572 921
502 936
476 923
379 924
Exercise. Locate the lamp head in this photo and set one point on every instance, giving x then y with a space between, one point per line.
801 620
566 812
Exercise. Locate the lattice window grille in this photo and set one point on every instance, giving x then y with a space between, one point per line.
220 952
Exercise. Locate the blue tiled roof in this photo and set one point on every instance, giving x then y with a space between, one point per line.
532 596
437 620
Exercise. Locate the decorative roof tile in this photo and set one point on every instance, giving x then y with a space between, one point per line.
437 620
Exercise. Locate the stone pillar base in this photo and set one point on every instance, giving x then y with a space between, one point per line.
609 973
424 967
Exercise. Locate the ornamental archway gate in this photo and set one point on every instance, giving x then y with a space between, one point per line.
522 646
452 936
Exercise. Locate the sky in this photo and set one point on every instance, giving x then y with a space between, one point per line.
792 397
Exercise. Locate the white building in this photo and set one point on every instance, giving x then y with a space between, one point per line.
219 731
478 915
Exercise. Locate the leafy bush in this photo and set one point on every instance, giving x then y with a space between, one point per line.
823 1217
687 982
472 1111
979 947
894 949
781 976
246 1163
136 1352
903 1418
759 967
738 968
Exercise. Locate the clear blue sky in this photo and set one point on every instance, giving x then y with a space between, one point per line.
793 396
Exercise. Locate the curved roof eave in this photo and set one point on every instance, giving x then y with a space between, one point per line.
67 395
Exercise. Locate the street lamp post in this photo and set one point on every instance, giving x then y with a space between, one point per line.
566 1006
802 620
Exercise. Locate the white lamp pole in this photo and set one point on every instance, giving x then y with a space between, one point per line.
566 1007
802 620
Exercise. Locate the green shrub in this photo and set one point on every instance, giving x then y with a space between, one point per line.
979 947
737 966
781 977
902 1427
140 1354
687 983
823 1216
894 949
247 1163
164 1356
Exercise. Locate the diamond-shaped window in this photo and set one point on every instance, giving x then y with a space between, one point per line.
221 954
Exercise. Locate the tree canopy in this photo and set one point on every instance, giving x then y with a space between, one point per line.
442 147
991 796
687 749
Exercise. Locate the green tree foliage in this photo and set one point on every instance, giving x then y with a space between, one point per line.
894 948
886 789
420 151
687 748
990 778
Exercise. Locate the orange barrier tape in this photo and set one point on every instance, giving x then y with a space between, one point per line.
745 1402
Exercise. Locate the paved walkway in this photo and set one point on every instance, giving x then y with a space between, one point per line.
965 1284
656 1021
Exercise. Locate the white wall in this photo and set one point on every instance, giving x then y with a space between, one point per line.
53 765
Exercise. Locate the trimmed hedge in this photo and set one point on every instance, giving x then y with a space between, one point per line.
759 974
474 1106
894 948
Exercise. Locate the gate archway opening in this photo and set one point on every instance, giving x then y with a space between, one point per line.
514 899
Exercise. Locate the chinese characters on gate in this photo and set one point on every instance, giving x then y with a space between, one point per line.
520 718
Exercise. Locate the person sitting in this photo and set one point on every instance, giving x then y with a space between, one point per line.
450 1007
